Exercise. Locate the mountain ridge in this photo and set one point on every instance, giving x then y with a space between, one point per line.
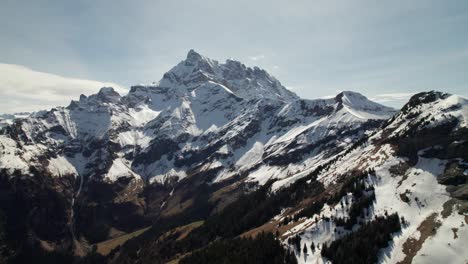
184 149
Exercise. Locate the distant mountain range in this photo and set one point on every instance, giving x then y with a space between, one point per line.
189 167
7 119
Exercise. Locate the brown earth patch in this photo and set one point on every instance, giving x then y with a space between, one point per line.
448 208
223 191
225 196
267 228
178 258
181 231
185 230
427 228
104 248
47 246
107 246
114 232
79 248
178 208
273 228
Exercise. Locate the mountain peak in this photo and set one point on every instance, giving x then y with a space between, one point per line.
360 105
105 95
427 97
108 91
193 55
108 94
350 98
198 61
245 82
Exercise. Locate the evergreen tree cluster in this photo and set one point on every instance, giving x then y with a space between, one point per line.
362 246
296 242
358 208
253 210
264 248
248 211
310 210
355 183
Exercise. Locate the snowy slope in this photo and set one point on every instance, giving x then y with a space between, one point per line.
433 211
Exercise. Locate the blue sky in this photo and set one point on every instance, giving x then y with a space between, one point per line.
385 50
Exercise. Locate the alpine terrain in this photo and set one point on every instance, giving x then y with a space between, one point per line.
220 163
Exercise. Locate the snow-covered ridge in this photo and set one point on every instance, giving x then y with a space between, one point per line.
428 110
199 109
407 182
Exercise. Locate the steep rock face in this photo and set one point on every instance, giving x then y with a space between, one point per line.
188 145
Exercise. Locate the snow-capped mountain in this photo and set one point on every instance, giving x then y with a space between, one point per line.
7 119
200 109
185 148
399 195
233 76
415 166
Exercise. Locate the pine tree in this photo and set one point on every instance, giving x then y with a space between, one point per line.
297 243
305 249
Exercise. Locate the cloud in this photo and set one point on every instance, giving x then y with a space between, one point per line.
23 89
293 88
391 97
257 57
328 96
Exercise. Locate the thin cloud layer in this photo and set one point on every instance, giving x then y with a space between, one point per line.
392 97
23 89
257 57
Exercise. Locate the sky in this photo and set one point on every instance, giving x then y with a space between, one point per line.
386 50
